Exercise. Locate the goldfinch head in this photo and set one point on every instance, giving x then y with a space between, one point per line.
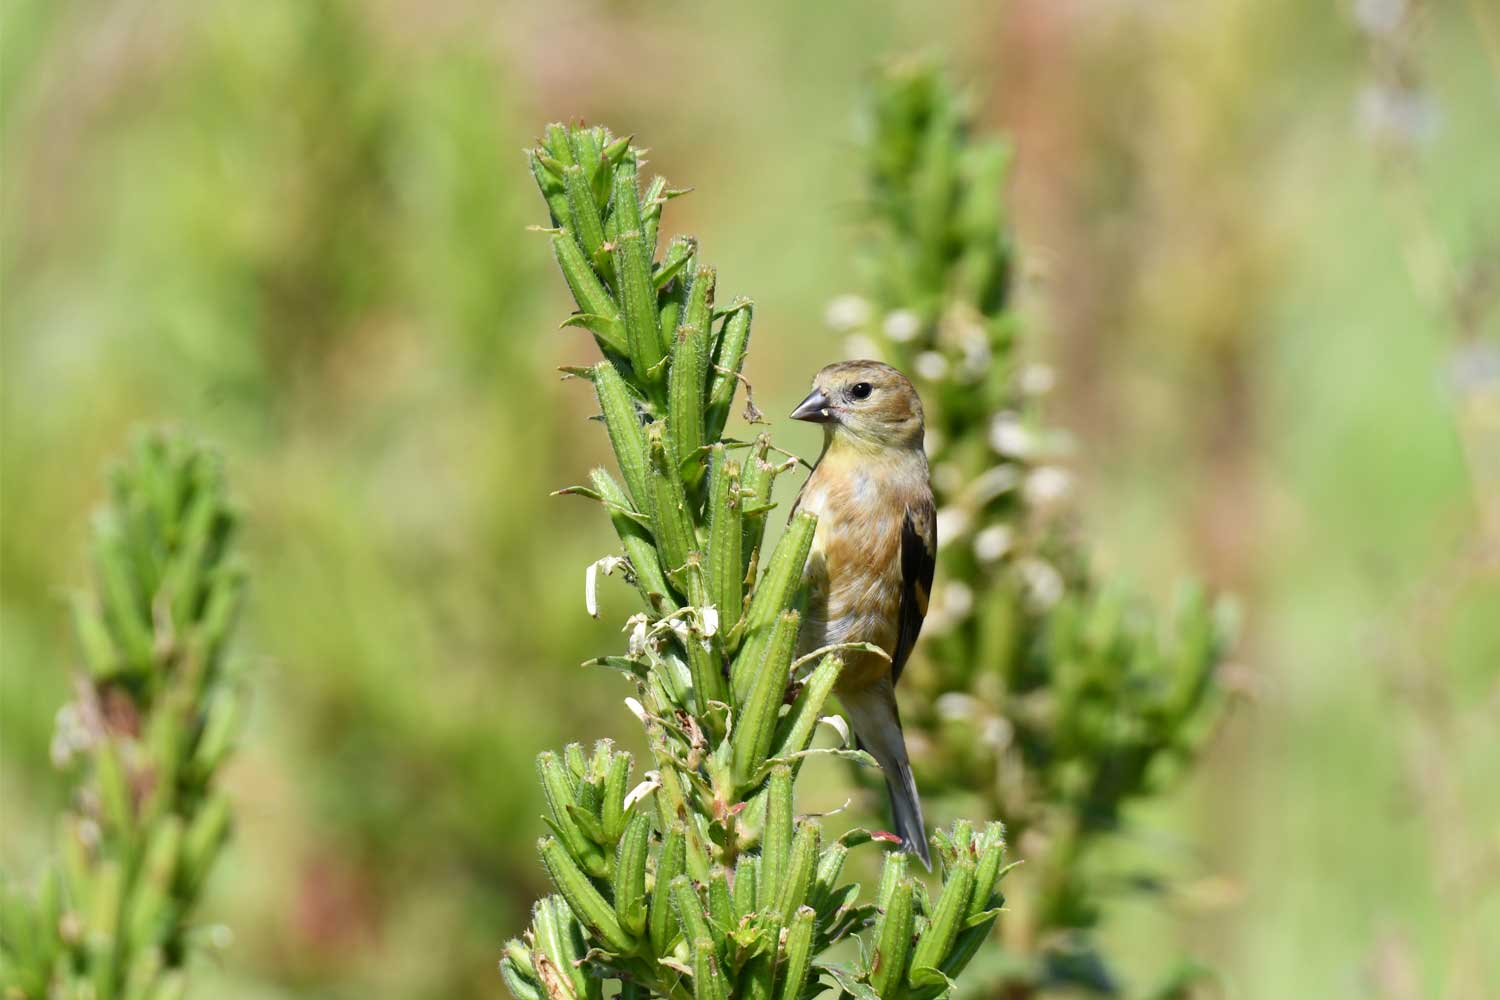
867 400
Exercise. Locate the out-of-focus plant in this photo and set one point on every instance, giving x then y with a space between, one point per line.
154 719
1061 698
701 881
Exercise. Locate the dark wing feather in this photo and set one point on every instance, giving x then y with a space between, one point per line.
918 560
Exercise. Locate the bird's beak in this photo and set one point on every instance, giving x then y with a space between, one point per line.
813 409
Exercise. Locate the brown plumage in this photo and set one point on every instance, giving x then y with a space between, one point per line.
870 570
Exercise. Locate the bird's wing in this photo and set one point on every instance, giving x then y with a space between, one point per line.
918 560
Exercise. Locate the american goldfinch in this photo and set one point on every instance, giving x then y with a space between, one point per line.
870 568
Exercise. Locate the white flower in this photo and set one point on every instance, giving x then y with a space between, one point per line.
1047 485
645 788
993 542
957 705
903 325
991 483
952 522
1037 380
591 581
1009 437
839 726
708 621
847 312
857 345
932 366
1043 581
639 711
639 628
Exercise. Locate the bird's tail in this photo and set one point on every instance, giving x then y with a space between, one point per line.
877 723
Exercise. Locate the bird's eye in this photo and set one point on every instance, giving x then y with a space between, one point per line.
861 390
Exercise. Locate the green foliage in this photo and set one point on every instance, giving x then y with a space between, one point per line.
154 719
702 881
1062 696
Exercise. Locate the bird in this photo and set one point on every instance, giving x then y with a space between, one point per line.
869 571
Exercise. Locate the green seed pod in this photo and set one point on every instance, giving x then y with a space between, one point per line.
116 807
625 203
708 983
639 546
150 914
776 837
689 910
588 226
583 899
758 980
756 725
798 954
662 917
587 146
99 650
638 299
551 186
952 910
720 904
626 435
826 882
123 607
987 872
616 787
892 939
746 872
729 358
202 841
724 570
560 788
521 985
794 733
679 253
630 874
774 595
559 144
687 378
559 946
892 873
803 863
675 536
220 728
590 294
757 476
651 210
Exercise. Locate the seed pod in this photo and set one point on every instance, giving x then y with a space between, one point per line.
987 872
729 358
616 787
952 910
639 546
588 225
626 435
725 573
720 905
630 874
587 143
686 381
583 899
803 863
892 938
99 650
677 258
201 842
559 947
638 301
756 725
662 918
123 607
794 733
559 144
561 793
799 942
219 730
757 476
758 980
523 985
674 524
776 837
150 913
746 872
708 983
892 872
590 294
689 910
774 595
116 807
826 882
651 211
551 185
625 203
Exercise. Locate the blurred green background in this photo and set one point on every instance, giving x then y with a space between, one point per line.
1260 247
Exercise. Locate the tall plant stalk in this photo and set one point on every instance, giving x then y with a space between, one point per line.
698 878
1059 695
154 719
